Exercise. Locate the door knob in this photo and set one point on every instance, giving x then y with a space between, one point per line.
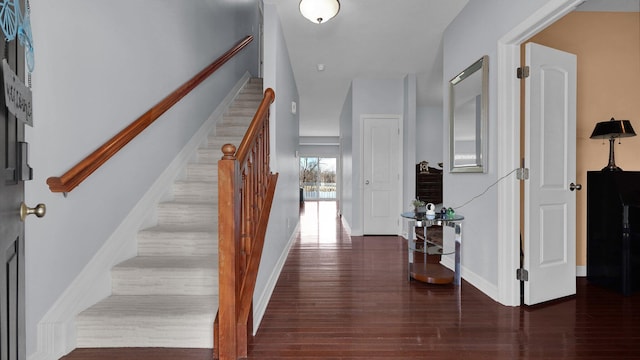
366 182
573 186
40 210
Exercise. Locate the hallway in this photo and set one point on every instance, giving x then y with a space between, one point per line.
348 298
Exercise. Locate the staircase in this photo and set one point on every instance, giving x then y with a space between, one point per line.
167 296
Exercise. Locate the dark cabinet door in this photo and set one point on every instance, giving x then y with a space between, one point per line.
613 230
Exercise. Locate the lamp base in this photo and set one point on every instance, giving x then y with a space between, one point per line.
611 168
612 157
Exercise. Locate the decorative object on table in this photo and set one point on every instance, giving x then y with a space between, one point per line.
430 211
611 130
419 206
450 213
423 167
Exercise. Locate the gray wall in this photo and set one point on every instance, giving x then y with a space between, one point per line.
430 137
346 160
100 65
409 140
278 75
368 96
473 33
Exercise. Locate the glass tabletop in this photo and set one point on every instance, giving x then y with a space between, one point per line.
435 220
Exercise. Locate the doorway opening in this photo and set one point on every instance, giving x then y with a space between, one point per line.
317 178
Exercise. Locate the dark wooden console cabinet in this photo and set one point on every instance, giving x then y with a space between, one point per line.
429 185
613 230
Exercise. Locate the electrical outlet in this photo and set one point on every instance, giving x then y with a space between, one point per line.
294 107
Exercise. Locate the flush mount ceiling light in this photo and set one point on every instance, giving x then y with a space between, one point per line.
319 11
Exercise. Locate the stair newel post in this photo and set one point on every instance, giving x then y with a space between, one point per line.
229 228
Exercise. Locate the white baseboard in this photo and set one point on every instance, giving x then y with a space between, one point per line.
260 306
489 289
472 278
56 333
346 226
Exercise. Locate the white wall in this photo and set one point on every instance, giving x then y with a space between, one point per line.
278 75
346 160
473 33
320 150
430 136
100 65
369 96
410 136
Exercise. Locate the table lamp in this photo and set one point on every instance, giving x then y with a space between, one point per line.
611 130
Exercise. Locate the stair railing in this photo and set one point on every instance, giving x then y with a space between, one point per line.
246 189
78 173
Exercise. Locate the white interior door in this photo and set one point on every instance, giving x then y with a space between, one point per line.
550 152
381 175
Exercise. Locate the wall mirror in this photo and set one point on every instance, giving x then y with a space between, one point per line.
468 118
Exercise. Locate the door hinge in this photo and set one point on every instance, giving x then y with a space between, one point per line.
522 275
522 72
25 172
522 174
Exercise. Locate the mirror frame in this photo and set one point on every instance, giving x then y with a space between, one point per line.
457 119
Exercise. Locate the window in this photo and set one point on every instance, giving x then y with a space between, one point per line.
318 178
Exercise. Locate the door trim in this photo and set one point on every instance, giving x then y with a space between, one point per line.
508 143
361 166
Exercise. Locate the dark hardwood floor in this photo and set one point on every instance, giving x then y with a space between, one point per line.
342 297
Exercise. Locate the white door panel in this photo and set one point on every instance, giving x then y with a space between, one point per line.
381 175
550 138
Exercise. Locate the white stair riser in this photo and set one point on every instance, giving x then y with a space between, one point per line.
246 106
198 334
216 146
241 111
148 321
195 191
185 214
202 172
210 155
131 281
235 121
185 243
231 130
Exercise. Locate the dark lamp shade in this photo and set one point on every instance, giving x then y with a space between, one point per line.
613 128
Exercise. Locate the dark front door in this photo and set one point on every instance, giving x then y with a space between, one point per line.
12 332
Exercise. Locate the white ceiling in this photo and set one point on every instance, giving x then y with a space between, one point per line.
373 39
367 39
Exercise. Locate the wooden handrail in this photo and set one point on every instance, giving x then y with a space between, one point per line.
246 189
91 163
